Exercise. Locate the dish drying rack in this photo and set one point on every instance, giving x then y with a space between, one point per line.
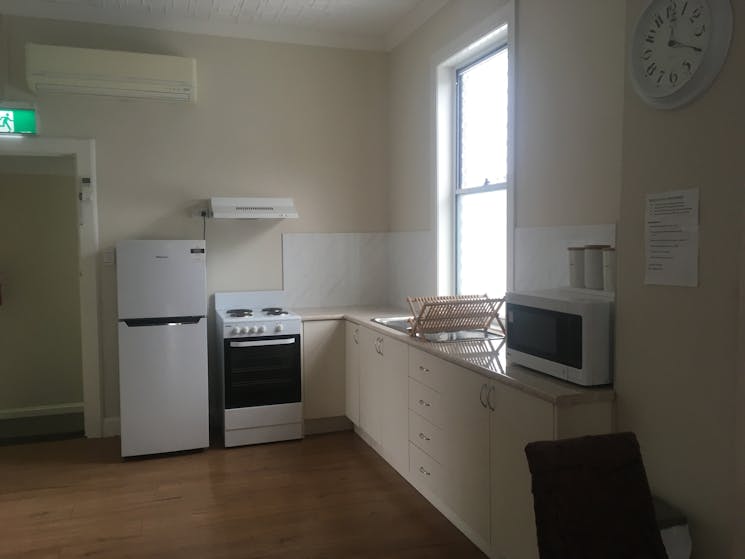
453 313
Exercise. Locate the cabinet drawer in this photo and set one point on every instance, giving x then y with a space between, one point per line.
427 436
427 369
425 471
426 402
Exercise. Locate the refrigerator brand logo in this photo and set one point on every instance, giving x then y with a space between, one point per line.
156 256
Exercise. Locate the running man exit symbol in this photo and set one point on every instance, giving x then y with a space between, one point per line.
7 122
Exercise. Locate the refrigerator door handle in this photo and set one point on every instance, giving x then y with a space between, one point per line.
165 321
286 341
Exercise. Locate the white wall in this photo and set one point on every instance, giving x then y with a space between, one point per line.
271 119
40 350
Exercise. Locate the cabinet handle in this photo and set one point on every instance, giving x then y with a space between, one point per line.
421 469
423 369
488 398
425 404
481 395
424 437
380 347
356 336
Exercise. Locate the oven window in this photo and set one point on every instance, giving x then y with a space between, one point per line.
547 334
262 372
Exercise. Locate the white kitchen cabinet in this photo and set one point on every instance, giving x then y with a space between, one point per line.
518 418
352 372
371 384
467 420
449 426
394 360
323 369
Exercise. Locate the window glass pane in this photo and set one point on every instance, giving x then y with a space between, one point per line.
482 243
483 122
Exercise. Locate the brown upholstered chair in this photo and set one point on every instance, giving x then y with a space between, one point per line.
592 499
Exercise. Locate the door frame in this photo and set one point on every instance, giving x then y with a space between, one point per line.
84 153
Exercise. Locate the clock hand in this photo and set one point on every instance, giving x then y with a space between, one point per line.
677 45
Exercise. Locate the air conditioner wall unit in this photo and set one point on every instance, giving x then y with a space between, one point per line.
112 73
252 208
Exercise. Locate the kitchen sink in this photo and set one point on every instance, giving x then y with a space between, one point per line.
401 324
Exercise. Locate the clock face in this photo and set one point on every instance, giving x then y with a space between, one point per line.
677 49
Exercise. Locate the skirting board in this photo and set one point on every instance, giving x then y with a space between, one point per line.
110 426
37 411
312 426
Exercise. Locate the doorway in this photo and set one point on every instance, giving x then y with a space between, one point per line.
41 381
82 155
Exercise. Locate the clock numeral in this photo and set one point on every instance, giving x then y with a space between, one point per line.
672 12
658 21
687 65
650 38
660 77
701 30
685 7
697 13
651 69
647 54
673 78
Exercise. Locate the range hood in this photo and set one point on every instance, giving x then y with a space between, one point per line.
252 208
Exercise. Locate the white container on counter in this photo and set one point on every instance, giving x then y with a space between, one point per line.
609 269
594 266
576 266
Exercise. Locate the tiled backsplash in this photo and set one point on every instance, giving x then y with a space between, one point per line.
541 260
338 269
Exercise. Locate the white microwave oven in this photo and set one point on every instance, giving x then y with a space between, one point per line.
565 333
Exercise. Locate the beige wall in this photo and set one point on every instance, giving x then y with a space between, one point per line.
271 119
40 360
411 118
570 75
677 347
569 111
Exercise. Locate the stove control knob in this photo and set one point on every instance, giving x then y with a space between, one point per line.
244 330
252 330
235 331
278 328
261 329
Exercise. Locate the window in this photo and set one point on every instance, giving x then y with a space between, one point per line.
480 208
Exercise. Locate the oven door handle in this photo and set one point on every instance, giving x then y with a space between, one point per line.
254 343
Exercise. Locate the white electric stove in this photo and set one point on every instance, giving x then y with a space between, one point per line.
260 377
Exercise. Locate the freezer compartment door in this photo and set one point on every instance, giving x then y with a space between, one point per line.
163 390
161 278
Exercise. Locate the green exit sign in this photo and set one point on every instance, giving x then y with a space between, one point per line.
17 121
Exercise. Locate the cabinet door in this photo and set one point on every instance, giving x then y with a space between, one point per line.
517 419
371 383
467 427
395 401
323 369
352 372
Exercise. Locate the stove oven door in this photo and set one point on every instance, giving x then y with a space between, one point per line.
262 372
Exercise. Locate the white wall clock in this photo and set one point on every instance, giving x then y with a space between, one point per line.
678 48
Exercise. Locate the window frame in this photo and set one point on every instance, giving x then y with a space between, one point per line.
457 188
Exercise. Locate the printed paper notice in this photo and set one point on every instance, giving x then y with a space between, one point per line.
672 238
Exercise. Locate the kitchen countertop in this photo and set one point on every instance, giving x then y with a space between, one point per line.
486 357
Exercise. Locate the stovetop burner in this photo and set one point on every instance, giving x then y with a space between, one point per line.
239 313
274 311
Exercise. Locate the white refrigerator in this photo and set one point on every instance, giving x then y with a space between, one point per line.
162 308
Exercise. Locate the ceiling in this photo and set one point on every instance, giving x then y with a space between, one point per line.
361 24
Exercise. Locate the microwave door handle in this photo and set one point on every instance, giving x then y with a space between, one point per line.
255 343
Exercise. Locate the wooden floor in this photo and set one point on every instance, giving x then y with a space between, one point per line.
324 497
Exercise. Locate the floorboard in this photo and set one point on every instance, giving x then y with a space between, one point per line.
327 496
